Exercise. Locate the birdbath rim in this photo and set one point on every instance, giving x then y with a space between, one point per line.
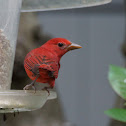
23 100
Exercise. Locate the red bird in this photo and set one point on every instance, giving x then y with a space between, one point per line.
42 64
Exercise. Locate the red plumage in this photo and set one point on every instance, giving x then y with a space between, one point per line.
42 64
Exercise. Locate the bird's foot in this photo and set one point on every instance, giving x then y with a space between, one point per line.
27 87
46 89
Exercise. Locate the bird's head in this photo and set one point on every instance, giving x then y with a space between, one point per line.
60 46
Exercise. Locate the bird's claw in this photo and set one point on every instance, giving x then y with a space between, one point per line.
27 87
46 89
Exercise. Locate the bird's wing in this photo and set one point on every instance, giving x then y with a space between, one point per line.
42 61
51 71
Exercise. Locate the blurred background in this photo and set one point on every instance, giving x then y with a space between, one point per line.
82 87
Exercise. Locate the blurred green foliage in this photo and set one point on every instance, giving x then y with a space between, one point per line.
116 113
117 79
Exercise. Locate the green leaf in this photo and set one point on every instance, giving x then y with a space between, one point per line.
117 79
117 114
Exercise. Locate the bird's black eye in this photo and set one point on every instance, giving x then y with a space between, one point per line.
60 44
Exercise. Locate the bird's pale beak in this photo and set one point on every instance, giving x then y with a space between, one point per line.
73 46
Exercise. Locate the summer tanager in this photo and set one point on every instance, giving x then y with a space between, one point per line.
42 64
